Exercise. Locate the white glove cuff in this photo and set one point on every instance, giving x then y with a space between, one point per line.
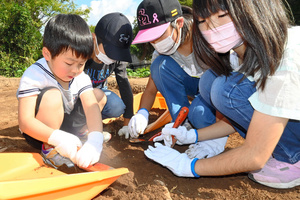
55 137
95 137
144 112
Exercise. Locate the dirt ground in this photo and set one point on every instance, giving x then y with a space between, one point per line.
146 179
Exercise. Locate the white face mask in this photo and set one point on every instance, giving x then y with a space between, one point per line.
102 57
167 46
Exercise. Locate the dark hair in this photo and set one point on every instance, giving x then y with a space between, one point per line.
186 31
66 31
263 26
99 40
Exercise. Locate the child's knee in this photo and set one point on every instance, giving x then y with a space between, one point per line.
100 97
51 100
50 109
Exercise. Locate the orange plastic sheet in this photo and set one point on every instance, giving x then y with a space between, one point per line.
24 176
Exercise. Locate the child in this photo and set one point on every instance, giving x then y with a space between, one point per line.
174 71
112 40
256 88
54 91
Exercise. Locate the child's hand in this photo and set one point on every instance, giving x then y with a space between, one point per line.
66 144
90 152
181 133
138 123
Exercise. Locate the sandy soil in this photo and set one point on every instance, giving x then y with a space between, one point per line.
146 179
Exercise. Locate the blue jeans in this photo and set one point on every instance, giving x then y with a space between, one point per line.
230 96
176 85
114 106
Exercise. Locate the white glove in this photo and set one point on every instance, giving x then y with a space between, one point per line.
207 148
90 152
138 123
124 131
179 163
182 135
66 144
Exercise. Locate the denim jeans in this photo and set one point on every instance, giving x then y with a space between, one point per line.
176 85
114 106
229 95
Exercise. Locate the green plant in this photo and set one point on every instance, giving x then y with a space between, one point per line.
139 72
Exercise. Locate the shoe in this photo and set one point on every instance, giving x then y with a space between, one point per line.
54 159
106 136
187 125
277 174
84 136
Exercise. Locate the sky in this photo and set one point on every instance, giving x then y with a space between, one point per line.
100 8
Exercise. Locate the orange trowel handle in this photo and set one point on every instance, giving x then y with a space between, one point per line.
179 119
184 111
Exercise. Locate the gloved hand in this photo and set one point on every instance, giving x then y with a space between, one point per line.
182 135
138 123
66 144
207 148
179 163
124 131
90 152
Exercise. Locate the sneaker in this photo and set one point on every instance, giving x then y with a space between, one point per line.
54 159
277 174
84 136
187 125
106 136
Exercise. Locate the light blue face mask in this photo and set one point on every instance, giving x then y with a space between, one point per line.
167 46
102 57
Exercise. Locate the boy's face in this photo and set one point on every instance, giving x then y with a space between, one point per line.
65 66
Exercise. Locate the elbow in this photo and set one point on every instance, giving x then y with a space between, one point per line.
256 159
257 164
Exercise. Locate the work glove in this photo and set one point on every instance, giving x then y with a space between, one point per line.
207 148
124 131
138 123
181 133
90 152
66 144
179 163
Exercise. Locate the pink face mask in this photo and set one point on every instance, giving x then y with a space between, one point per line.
223 38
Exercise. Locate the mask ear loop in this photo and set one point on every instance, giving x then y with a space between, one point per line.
97 44
178 33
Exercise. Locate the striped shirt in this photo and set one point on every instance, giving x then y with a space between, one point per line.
39 76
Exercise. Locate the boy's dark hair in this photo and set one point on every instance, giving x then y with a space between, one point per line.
66 31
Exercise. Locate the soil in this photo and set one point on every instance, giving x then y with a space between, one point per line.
146 179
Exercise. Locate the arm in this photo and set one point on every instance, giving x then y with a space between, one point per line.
91 150
149 95
92 111
263 135
125 91
139 121
219 129
45 125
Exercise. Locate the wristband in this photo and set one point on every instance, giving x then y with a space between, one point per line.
193 168
144 112
143 109
196 135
